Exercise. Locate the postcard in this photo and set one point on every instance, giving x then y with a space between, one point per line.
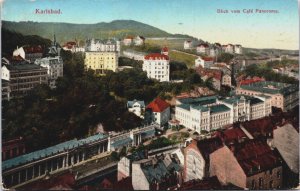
149 95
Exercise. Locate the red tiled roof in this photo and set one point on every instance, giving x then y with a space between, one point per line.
250 81
165 49
255 156
207 146
33 49
129 37
217 74
158 105
207 58
231 135
156 56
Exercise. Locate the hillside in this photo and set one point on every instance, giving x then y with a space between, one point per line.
67 31
10 41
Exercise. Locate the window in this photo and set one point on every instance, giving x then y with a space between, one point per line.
260 182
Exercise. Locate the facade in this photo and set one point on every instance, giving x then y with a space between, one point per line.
226 80
205 62
197 158
156 173
134 55
229 48
54 66
188 44
5 90
284 96
159 111
238 49
203 48
128 40
29 53
101 61
249 165
136 107
209 113
97 45
22 77
13 148
139 40
157 66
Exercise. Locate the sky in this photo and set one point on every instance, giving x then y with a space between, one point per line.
198 18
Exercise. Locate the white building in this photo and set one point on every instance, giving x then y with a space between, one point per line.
134 55
97 45
73 47
209 113
139 40
157 66
229 48
205 62
226 80
159 111
188 44
238 49
54 67
136 107
127 41
203 48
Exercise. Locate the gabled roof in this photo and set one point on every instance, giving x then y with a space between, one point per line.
156 56
158 105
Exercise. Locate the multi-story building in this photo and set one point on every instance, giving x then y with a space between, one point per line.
96 45
23 76
101 61
226 80
128 40
157 66
284 96
29 53
54 66
159 111
250 165
238 49
203 48
73 47
215 75
205 62
196 157
229 48
208 113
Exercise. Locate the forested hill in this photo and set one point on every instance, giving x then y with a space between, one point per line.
67 31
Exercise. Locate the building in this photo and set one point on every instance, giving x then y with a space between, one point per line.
205 62
73 47
136 107
159 110
203 48
284 96
128 40
139 40
229 48
188 44
238 49
97 45
226 80
215 75
29 53
5 90
248 81
165 51
209 113
156 173
54 67
101 61
22 76
249 165
13 148
157 66
134 55
196 156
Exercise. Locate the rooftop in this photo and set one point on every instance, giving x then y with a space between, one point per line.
219 108
158 105
269 87
156 56
23 65
208 146
50 151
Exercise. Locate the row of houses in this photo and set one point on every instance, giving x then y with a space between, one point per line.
214 49
250 159
26 70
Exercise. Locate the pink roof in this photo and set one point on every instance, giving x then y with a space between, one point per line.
156 56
